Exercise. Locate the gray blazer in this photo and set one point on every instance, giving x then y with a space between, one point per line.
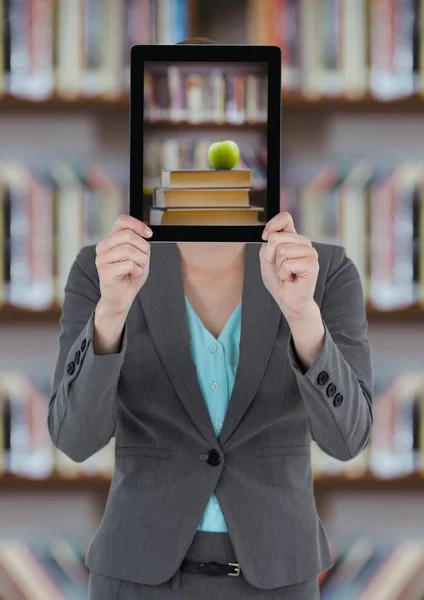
168 460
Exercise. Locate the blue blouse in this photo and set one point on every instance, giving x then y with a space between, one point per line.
216 361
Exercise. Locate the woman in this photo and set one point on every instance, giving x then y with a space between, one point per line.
158 344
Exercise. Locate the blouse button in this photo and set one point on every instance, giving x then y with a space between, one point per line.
215 385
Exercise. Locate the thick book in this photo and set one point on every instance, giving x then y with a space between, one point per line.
201 197
207 178
231 215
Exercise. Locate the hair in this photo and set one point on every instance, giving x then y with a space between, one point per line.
196 40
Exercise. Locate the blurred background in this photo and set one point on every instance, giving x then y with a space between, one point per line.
352 173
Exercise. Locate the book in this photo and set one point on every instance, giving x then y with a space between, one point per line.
201 197
205 216
207 178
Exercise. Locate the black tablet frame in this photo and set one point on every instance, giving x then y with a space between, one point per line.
208 53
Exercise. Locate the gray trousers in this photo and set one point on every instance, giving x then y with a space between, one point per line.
206 547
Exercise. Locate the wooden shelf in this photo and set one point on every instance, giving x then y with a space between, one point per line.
289 102
58 103
55 483
366 103
102 484
169 124
13 314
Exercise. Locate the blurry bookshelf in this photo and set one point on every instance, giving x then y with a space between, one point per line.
331 49
70 60
73 49
27 456
361 570
376 214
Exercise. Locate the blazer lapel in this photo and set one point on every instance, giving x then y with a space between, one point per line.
162 300
260 318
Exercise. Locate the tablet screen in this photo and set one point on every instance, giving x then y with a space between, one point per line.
205 143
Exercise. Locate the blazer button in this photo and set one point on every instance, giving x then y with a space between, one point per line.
71 367
83 344
77 357
331 390
323 377
213 458
338 399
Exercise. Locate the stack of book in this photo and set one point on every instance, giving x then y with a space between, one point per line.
186 152
204 197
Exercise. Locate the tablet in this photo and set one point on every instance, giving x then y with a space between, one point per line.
205 141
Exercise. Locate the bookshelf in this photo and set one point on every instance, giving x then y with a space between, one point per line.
101 484
289 102
10 313
319 125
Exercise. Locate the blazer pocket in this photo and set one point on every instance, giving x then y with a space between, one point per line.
276 450
143 451
290 466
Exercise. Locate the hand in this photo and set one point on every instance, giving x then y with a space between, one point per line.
289 266
122 261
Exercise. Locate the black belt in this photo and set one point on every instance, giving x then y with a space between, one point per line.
212 568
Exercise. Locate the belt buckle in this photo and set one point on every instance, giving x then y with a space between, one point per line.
237 566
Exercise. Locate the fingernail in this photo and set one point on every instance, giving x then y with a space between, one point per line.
149 232
264 235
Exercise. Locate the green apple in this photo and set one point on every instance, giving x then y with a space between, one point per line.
223 155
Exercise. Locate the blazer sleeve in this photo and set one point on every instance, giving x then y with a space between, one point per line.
337 389
82 403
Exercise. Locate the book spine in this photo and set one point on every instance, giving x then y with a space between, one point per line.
19 242
403 283
93 36
403 60
20 59
70 42
330 46
41 28
6 44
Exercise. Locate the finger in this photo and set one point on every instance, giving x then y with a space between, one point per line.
281 222
121 253
119 269
124 236
298 267
288 251
128 222
281 238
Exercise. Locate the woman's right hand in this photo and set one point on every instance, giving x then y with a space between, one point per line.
122 261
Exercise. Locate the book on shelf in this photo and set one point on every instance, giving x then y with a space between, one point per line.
222 95
49 571
344 48
80 48
377 215
395 448
46 216
362 570
26 448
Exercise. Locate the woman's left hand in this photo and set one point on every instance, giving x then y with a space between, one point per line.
289 267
